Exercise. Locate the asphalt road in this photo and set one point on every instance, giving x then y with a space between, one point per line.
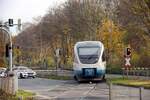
47 89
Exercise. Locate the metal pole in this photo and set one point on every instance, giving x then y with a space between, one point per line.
56 65
10 54
147 72
11 82
110 91
127 72
140 93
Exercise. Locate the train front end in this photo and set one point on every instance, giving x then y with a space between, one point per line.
88 61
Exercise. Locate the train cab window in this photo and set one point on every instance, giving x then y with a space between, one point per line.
103 57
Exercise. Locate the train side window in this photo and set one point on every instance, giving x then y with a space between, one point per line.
103 57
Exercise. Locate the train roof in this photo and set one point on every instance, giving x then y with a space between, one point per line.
89 43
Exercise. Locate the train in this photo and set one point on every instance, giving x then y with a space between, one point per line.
89 61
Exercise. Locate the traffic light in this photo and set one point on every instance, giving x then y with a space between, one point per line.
128 53
10 22
7 50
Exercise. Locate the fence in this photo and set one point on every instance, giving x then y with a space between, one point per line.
136 71
128 93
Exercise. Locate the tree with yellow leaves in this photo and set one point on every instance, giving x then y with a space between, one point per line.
111 35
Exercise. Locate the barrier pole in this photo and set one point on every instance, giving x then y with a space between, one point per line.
140 93
110 91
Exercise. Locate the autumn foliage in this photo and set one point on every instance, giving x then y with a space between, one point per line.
117 23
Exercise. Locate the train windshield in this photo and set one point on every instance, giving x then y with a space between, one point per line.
89 55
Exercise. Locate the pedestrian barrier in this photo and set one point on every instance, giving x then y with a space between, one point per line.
136 71
127 93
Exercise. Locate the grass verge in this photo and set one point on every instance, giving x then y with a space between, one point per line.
130 82
21 93
24 94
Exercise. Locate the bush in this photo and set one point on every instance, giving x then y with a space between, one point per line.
50 62
113 69
135 59
144 61
69 65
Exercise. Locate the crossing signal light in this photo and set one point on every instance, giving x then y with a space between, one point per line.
128 52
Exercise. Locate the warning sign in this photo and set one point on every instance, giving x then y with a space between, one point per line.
127 62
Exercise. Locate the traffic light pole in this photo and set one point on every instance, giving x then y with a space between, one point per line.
11 81
10 48
10 24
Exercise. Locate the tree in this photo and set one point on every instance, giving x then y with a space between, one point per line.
134 17
138 12
111 35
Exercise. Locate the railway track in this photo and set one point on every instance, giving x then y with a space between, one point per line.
82 91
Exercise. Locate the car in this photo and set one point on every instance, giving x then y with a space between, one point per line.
31 73
2 68
24 72
2 72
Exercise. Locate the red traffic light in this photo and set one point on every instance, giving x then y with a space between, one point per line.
128 52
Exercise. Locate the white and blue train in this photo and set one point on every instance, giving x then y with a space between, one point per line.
89 61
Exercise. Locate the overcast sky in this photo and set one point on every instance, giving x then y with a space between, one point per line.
25 9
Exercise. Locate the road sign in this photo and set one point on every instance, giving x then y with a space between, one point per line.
127 63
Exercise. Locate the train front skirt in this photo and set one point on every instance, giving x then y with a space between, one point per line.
89 73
